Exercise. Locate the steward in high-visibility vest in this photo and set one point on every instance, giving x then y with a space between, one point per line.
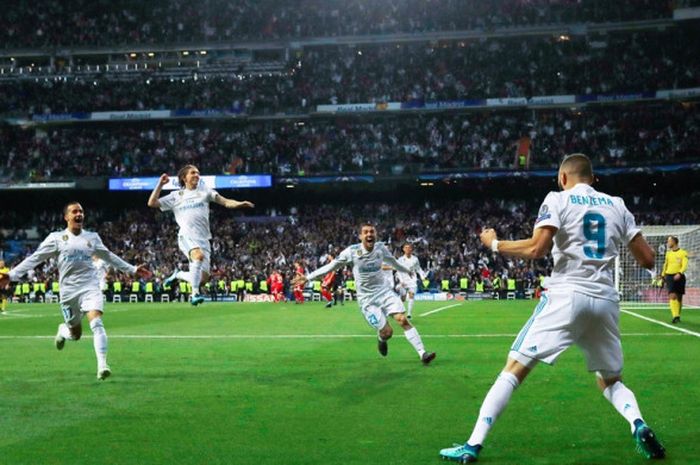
26 290
183 287
510 284
479 287
445 284
263 286
463 284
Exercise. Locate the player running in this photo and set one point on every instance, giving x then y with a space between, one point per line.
376 299
190 204
407 284
80 287
585 230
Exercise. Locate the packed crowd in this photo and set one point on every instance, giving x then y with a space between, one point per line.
613 136
625 62
445 236
87 23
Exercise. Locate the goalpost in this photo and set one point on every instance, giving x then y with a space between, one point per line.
637 287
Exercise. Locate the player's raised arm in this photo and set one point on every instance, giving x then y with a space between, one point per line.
535 247
231 203
153 201
113 260
395 264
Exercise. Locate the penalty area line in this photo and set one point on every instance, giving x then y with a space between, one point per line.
666 325
439 309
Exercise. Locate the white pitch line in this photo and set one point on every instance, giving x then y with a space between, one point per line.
675 328
439 309
305 336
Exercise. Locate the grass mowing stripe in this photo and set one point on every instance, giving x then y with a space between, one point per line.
303 336
675 328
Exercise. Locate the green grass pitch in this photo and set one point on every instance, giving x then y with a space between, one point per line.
289 384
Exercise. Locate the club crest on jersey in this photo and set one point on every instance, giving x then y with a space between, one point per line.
65 237
543 214
181 193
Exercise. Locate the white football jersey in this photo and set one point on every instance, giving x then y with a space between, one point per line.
592 227
366 268
101 269
76 271
191 209
412 264
389 278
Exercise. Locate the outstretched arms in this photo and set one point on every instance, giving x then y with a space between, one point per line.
230 203
642 252
535 247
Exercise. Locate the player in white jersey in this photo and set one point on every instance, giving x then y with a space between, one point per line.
80 288
190 204
388 273
407 282
101 268
585 230
376 298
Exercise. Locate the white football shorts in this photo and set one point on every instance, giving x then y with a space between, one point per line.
76 307
186 244
563 318
406 287
378 307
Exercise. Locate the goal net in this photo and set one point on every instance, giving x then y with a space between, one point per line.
638 288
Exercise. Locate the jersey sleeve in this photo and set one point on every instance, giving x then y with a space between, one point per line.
210 194
105 254
684 261
167 202
549 213
631 228
343 259
47 249
389 259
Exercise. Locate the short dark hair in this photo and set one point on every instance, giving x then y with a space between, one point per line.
65 207
674 239
367 223
578 165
